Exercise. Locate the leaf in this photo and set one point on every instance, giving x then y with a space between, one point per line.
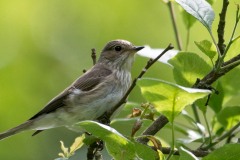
154 52
117 145
227 152
234 49
200 9
187 19
207 48
188 67
161 155
64 149
216 100
167 98
230 83
144 152
78 143
61 159
186 155
229 116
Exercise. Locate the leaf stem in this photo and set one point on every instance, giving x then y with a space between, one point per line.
195 113
220 57
208 128
173 18
173 143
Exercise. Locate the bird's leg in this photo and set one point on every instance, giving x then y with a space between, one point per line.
104 119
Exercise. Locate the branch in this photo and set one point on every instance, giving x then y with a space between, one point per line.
214 75
221 27
197 153
158 124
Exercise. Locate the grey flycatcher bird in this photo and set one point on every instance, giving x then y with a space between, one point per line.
91 95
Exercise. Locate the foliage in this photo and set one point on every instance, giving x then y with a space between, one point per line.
170 100
201 103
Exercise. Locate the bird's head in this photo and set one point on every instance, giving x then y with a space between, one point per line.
119 54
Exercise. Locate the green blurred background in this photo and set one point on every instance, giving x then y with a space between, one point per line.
45 45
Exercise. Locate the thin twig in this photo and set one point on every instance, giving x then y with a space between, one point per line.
234 30
173 18
219 139
94 57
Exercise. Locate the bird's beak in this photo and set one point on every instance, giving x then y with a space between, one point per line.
138 48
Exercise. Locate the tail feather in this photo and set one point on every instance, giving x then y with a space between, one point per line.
15 130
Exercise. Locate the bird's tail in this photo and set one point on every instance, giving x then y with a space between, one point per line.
22 127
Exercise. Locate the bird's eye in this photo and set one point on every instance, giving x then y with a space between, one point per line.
118 48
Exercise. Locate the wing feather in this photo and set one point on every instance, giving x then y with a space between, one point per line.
85 83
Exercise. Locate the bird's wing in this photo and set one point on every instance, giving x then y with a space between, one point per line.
85 83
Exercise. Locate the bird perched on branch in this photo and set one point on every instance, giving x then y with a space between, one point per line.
91 95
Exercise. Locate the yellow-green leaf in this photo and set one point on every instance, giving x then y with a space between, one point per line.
167 98
78 143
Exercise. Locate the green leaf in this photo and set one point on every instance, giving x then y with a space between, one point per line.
234 49
186 155
144 152
230 83
188 67
229 116
117 145
187 19
227 152
167 98
216 100
207 48
200 9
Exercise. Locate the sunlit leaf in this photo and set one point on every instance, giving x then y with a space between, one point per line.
234 49
188 67
188 19
154 52
230 83
167 98
207 48
227 152
229 116
200 9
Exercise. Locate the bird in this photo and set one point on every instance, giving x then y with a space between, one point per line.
91 95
